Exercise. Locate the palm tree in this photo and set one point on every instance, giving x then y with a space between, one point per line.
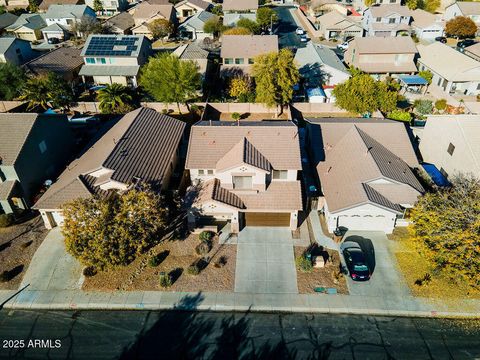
35 92
114 99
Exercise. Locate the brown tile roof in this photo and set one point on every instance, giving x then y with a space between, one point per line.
212 191
146 11
353 155
6 189
277 142
239 5
140 144
385 45
389 9
248 46
14 131
61 61
243 153
279 196
198 3
45 4
122 21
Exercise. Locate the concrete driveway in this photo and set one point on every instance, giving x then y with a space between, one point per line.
265 261
387 280
52 268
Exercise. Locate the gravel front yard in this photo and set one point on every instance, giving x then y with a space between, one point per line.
139 275
321 277
18 243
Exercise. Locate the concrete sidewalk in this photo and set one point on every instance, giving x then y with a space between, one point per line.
305 303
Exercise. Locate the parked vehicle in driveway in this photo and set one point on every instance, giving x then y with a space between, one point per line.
300 31
303 38
355 260
441 39
461 45
343 46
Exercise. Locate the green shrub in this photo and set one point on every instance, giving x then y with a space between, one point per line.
89 271
236 116
203 248
6 220
154 261
423 107
165 280
441 104
303 264
193 269
206 236
400 115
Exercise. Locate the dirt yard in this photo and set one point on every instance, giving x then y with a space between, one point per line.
254 117
18 243
321 277
176 257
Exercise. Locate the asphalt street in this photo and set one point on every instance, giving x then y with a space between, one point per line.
207 335
287 38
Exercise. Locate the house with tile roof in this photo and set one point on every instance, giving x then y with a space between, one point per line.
427 26
334 25
192 28
470 9
234 10
28 27
6 19
121 23
15 51
145 13
33 148
188 8
196 53
142 147
110 7
365 172
387 20
382 55
244 173
45 4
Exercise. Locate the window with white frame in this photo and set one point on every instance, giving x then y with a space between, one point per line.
280 174
242 182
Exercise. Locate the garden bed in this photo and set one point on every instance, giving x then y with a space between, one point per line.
175 257
321 277
18 243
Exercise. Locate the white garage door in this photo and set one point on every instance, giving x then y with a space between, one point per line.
368 222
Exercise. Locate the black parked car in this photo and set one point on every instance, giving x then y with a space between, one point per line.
355 259
465 43
442 39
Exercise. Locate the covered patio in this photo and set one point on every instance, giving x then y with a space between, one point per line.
413 84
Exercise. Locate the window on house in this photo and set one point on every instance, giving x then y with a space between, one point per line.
391 21
378 19
242 182
101 60
280 174
210 172
451 148
239 61
251 61
228 61
201 172
90 60
42 146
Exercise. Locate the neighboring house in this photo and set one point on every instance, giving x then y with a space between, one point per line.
365 171
110 7
473 51
63 61
56 31
452 143
336 26
28 27
121 23
14 4
45 4
453 71
320 66
135 150
387 20
67 15
145 13
192 28
196 53
245 174
470 9
33 148
382 55
187 8
239 51
317 8
234 10
427 26
15 51
114 59
6 19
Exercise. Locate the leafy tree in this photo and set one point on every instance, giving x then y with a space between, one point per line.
275 75
400 115
249 24
168 79
241 88
89 25
461 27
266 16
441 104
160 28
106 232
446 227
12 80
3 10
369 2
237 31
217 10
46 91
363 94
33 6
213 26
427 75
423 107
114 99
97 5
412 4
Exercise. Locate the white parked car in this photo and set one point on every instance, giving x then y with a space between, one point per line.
303 38
300 31
343 46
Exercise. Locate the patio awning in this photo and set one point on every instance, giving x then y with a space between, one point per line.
410 80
